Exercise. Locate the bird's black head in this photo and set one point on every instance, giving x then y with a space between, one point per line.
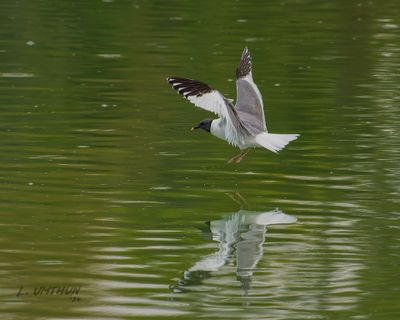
204 124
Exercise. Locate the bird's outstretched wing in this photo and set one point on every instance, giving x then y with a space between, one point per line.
205 97
249 104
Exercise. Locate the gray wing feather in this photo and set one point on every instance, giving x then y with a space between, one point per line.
239 132
249 104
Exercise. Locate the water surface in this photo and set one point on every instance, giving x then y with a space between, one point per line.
106 193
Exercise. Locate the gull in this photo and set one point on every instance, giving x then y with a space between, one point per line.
243 124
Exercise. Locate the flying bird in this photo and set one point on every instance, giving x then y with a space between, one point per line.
243 124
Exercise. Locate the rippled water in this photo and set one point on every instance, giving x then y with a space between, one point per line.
112 209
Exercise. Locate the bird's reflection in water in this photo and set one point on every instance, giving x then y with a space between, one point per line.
241 236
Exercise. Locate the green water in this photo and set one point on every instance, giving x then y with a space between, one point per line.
107 194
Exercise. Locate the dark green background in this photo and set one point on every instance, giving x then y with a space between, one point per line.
104 186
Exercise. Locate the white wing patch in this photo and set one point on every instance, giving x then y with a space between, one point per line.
212 101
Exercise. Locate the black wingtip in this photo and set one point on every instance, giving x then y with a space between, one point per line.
245 66
189 87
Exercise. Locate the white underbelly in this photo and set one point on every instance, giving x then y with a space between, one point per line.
218 129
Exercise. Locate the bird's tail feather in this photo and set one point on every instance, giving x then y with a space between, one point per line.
275 142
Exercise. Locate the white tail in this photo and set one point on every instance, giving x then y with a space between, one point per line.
274 142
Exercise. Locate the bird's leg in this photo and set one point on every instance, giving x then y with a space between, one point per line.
243 202
233 160
243 155
237 197
239 157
